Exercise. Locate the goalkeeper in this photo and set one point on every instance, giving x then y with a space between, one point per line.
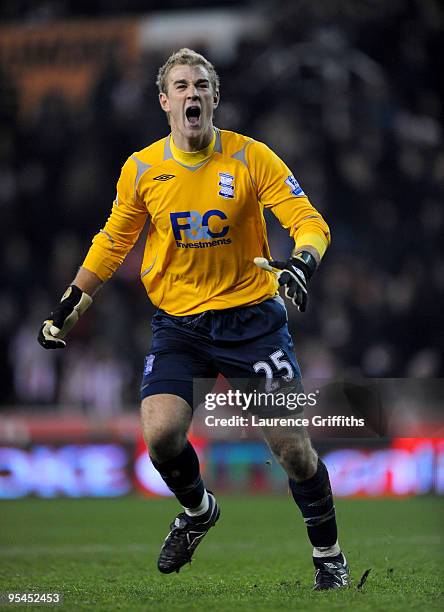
208 270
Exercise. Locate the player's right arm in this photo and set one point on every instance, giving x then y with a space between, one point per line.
108 250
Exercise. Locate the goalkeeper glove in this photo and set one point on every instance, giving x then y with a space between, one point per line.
294 274
72 305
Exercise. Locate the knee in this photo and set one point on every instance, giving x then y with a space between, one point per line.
164 431
296 456
165 444
288 450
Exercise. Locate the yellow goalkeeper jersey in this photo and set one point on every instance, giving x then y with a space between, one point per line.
206 222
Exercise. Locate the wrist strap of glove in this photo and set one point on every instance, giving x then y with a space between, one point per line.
75 301
305 262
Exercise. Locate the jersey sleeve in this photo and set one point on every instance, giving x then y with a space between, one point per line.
279 191
127 219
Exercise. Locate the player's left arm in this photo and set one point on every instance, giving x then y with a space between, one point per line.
280 192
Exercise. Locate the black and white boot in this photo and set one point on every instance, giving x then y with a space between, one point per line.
331 573
186 534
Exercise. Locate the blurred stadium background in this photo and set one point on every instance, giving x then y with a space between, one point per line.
349 94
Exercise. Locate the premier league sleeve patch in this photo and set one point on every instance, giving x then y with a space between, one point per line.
295 188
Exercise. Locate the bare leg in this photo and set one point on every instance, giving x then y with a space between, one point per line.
166 419
310 487
292 448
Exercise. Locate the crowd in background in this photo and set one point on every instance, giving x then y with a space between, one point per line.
350 99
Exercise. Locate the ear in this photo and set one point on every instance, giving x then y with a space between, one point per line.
216 99
164 102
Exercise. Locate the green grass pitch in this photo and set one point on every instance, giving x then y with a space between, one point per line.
102 554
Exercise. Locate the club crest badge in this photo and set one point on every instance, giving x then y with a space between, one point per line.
226 187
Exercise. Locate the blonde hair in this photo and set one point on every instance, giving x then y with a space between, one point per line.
186 57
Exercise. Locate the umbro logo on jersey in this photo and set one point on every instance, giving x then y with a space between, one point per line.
164 177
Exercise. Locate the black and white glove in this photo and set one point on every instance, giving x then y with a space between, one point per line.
294 274
63 318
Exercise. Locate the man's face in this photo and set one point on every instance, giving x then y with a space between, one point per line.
190 102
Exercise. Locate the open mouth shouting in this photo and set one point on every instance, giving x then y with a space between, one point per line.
193 114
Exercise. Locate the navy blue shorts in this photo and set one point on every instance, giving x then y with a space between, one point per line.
239 343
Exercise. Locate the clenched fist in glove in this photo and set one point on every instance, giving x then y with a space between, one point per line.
294 274
73 304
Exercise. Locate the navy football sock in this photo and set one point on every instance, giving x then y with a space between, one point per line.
182 477
315 501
